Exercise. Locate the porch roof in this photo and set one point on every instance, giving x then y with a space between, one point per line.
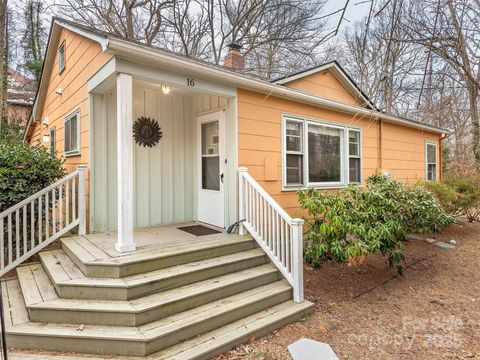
149 54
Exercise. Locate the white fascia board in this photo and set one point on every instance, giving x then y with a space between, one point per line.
102 40
179 63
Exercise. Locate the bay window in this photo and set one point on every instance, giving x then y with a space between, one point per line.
320 154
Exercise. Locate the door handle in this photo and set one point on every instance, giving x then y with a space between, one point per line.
221 177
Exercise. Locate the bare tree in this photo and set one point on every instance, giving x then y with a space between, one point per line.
140 20
449 29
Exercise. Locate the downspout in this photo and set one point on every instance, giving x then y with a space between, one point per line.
440 158
380 142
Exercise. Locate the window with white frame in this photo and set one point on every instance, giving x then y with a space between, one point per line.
294 152
354 158
61 57
72 134
320 154
431 161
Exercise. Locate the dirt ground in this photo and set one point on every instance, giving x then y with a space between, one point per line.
432 312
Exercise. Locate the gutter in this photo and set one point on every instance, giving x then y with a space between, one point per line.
135 51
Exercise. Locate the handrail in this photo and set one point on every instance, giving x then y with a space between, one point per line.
40 219
280 236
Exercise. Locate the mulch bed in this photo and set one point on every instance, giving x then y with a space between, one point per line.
368 312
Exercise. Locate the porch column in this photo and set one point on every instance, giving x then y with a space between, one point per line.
124 164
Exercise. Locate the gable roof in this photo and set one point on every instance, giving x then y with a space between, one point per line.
138 52
340 74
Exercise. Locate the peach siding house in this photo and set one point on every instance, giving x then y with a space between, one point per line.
290 133
167 156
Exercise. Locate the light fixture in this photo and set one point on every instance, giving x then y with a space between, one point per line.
59 90
45 121
166 89
46 138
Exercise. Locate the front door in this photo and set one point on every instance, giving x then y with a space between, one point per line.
211 165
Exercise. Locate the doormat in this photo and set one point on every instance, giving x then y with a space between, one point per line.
198 230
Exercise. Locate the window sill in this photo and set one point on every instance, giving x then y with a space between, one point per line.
316 187
72 154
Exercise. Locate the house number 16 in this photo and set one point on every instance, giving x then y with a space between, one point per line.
190 82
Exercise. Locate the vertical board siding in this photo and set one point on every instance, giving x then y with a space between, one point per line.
163 174
260 139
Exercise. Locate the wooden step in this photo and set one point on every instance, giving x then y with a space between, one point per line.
95 263
44 305
144 340
71 283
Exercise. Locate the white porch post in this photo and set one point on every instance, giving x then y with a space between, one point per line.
82 208
124 164
241 200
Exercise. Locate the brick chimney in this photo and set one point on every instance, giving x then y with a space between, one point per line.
234 59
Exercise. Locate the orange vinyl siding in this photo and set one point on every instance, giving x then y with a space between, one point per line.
324 84
83 58
260 143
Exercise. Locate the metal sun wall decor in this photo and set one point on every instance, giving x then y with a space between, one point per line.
146 132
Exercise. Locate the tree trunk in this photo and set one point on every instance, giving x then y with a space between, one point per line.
3 32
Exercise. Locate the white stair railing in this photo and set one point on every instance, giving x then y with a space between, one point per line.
280 236
37 221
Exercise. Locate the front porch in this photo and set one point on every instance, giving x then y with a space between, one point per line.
189 175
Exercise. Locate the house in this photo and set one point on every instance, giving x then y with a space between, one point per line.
20 95
153 139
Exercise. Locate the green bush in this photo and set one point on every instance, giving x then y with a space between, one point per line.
458 196
355 222
24 170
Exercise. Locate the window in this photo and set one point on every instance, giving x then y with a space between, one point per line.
319 154
72 134
61 57
294 152
325 150
354 162
52 142
431 161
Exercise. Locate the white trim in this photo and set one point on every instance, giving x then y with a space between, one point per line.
102 40
344 155
208 118
432 143
76 152
135 51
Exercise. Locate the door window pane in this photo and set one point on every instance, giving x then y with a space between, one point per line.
210 138
210 156
211 173
324 154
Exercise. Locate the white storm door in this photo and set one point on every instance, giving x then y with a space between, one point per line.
211 166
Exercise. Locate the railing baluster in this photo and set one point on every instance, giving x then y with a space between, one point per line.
17 234
54 211
74 200
47 222
60 211
287 245
24 225
67 202
2 244
40 220
32 224
9 231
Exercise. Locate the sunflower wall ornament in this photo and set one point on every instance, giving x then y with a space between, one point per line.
146 132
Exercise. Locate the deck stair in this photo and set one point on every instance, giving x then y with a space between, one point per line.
185 302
